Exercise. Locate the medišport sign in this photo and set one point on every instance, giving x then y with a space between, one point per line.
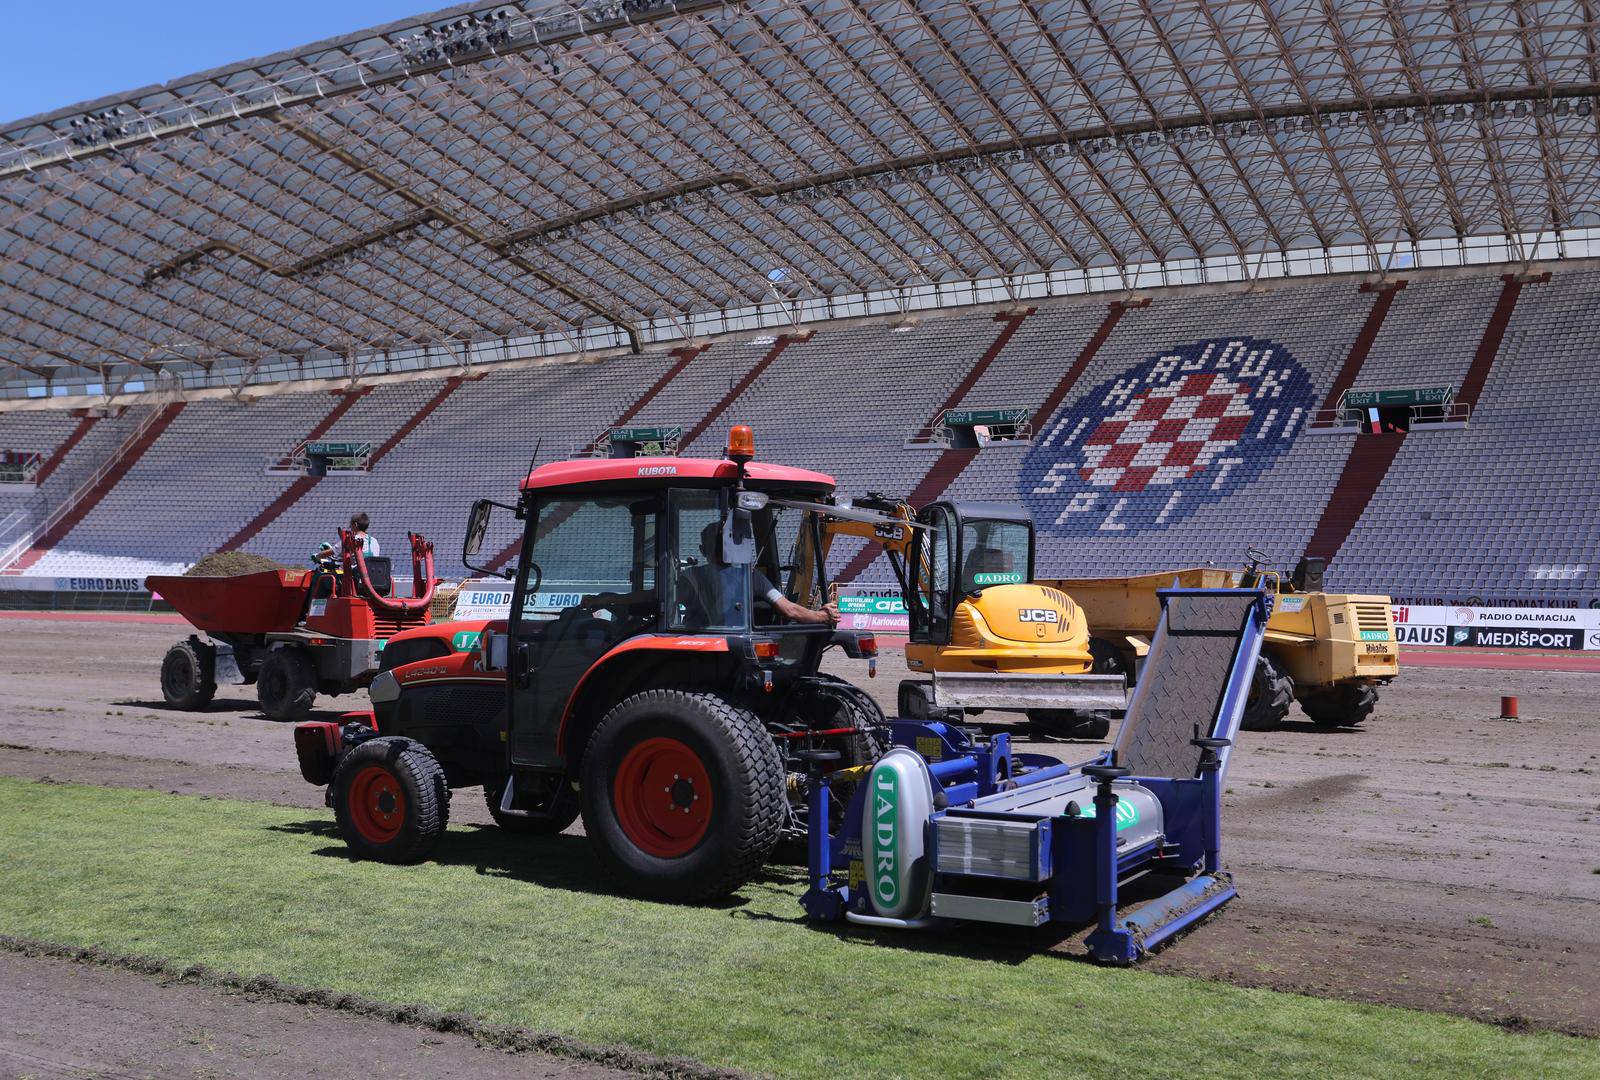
1461 626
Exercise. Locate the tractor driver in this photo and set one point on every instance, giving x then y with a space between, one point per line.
715 588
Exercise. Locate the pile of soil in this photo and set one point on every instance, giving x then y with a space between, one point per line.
232 564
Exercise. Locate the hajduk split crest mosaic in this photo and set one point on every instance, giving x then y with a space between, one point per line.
1174 433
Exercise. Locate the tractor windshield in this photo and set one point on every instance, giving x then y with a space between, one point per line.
708 593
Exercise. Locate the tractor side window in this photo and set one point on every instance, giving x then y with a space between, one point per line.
994 553
588 547
703 592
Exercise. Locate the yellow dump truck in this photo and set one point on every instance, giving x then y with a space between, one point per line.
1328 651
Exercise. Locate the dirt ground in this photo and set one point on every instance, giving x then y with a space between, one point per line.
1439 858
129 1025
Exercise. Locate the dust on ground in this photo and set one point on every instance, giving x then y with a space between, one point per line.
1437 858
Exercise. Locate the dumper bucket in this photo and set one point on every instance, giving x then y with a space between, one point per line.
270 601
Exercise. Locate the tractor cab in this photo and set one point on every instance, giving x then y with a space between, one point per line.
664 567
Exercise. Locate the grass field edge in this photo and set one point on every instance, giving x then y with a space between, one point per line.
509 1038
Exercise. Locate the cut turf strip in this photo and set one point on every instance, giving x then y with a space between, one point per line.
524 932
505 1037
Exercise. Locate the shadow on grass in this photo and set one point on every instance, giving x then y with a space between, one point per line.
555 862
568 863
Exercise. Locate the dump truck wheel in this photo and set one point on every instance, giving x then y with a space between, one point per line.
566 813
188 675
1106 658
287 685
1271 695
1068 724
1341 706
683 794
390 799
912 698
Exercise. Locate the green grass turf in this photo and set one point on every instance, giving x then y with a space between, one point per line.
525 931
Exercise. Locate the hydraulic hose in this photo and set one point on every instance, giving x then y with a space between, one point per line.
421 575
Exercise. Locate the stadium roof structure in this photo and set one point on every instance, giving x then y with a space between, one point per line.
543 178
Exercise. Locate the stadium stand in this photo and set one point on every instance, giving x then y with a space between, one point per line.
847 398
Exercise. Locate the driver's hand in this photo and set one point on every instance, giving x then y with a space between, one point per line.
831 610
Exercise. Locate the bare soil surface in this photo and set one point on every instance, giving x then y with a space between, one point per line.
123 1024
1437 857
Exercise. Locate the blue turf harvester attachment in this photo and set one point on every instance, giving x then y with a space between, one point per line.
951 826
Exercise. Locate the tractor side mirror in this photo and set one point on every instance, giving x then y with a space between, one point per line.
477 527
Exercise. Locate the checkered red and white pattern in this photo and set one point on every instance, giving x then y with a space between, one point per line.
1167 433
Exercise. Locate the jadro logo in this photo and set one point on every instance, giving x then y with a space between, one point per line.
885 837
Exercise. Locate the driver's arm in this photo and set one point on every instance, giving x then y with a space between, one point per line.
788 608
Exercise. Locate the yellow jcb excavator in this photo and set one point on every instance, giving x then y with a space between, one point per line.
983 632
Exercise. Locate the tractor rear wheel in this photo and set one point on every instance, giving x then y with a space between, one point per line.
287 685
1345 705
683 794
390 799
188 675
566 812
1271 695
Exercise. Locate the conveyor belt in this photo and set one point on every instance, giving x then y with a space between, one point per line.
1183 683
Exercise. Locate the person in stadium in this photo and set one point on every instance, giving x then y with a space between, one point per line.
358 526
714 588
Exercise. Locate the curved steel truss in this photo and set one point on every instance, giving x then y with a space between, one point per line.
614 171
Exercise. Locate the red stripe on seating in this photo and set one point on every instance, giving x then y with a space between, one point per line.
59 453
684 355
950 463
91 498
302 484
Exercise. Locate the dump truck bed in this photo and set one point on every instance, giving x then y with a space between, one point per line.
267 602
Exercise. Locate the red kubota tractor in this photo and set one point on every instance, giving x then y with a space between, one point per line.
293 633
645 678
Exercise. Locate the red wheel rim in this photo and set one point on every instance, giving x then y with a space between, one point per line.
377 804
662 795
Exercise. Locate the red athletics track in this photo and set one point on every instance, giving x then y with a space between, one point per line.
97 616
1499 661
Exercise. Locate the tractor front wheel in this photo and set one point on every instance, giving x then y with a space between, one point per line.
287 685
390 799
188 675
683 794
1271 695
1345 705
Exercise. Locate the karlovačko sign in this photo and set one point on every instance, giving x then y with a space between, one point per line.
873 607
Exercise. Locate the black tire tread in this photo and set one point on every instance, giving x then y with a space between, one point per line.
300 698
1346 705
761 823
203 687
1271 697
430 796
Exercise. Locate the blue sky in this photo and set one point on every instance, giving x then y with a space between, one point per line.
62 53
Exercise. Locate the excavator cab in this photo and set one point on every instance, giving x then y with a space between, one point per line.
962 549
